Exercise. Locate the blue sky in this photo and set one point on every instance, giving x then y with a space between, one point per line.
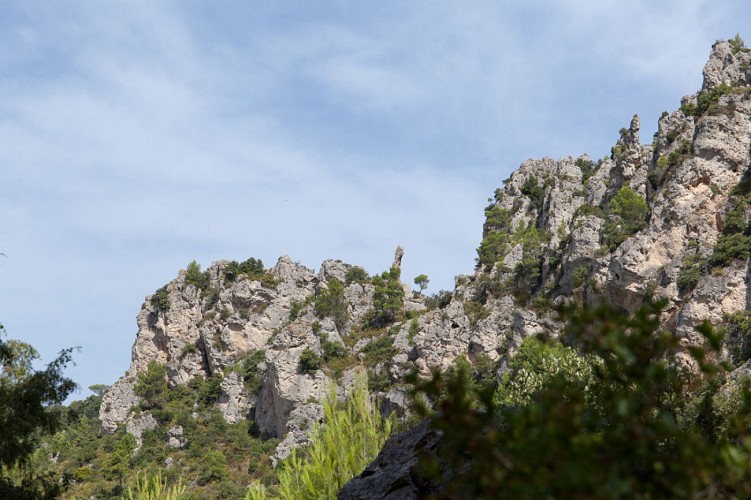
138 136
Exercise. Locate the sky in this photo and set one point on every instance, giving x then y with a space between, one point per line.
138 136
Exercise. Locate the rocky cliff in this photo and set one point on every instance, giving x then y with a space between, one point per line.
668 218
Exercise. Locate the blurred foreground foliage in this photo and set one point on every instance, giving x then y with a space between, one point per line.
618 414
27 411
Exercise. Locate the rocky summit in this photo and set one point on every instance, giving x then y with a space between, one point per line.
666 218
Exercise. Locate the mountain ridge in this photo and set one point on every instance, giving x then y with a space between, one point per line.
667 219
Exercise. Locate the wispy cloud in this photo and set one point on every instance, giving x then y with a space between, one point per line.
137 137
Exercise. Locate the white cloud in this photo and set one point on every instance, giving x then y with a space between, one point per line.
134 139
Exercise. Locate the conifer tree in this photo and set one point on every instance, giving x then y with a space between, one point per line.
350 437
26 396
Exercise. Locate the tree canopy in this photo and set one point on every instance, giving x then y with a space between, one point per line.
27 397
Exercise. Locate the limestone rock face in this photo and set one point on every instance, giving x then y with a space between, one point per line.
234 402
136 424
117 403
284 387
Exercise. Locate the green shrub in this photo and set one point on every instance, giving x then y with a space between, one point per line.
227 489
537 364
421 281
151 386
493 248
316 327
356 274
479 377
484 373
160 299
656 175
209 390
677 156
534 191
117 461
268 281
295 309
30 400
735 219
631 207
730 247
737 44
188 348
438 300
337 365
665 163
310 362
496 219
587 167
690 274
706 101
256 491
581 276
379 382
527 271
108 467
214 467
496 231
194 276
627 214
249 371
252 268
332 350
485 285
387 298
379 350
155 487
735 241
331 302
414 329
618 152
212 297
587 209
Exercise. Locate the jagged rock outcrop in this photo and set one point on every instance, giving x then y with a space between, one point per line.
234 402
211 323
